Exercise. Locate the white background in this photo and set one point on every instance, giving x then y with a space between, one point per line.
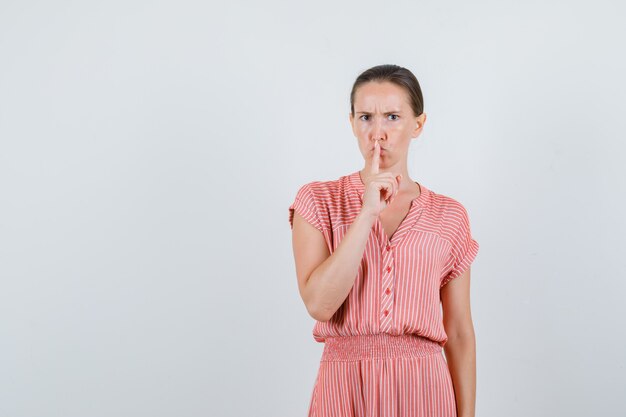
149 151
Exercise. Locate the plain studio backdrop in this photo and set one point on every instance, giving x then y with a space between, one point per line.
149 152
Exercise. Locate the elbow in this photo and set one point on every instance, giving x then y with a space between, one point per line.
318 313
315 307
319 310
462 337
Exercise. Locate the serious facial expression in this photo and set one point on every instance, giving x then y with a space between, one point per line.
382 112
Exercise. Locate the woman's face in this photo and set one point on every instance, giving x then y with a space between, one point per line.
382 111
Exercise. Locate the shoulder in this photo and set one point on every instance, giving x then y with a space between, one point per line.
322 192
445 205
452 213
449 205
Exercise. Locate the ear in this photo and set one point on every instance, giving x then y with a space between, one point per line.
419 124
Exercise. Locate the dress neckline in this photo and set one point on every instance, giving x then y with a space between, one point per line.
358 187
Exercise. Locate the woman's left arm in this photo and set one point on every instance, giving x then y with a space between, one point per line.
460 349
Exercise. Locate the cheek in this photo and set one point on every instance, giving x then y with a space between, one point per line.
399 127
361 128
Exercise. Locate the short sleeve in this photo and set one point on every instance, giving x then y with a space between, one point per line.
464 247
305 204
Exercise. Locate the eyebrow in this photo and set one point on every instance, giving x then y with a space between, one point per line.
389 112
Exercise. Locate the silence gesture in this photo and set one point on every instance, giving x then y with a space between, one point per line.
380 188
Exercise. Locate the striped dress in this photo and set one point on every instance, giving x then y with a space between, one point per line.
383 348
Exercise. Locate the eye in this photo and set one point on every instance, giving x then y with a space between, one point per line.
365 115
395 115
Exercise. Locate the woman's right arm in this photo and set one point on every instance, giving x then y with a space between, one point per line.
325 280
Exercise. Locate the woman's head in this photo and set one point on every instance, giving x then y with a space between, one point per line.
397 75
386 104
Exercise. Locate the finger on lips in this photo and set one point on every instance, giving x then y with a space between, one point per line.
376 158
391 190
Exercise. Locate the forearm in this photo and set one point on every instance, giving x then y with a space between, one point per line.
461 357
331 282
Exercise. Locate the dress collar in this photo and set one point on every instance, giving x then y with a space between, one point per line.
358 188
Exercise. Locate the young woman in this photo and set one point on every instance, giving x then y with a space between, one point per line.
383 265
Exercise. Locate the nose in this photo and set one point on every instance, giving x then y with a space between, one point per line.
378 132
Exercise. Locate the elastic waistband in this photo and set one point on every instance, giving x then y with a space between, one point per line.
377 346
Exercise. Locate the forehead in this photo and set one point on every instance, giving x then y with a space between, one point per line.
376 95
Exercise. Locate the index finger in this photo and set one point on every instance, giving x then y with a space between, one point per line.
376 158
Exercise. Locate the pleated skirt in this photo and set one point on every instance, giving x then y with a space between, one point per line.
382 375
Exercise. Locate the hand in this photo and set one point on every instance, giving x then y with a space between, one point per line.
380 188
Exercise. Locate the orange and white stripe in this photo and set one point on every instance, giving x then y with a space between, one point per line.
383 346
